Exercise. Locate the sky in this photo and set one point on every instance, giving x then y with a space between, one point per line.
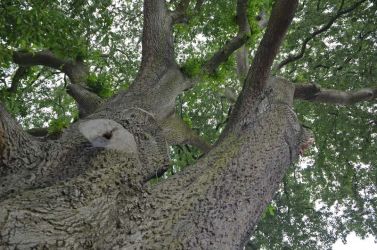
356 243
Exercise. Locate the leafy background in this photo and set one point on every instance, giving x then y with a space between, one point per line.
328 194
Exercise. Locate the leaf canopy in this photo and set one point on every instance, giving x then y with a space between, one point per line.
328 194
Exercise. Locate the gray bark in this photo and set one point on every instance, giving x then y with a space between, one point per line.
104 201
78 192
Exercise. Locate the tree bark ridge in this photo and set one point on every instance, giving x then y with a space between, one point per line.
281 17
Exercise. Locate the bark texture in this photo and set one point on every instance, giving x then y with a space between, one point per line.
107 204
88 190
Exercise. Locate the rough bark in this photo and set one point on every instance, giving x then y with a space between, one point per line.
87 101
214 204
256 79
178 132
78 192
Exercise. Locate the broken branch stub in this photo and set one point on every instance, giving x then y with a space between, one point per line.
108 134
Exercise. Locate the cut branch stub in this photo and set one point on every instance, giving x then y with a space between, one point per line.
152 147
108 134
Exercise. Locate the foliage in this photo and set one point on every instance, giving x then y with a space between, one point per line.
327 195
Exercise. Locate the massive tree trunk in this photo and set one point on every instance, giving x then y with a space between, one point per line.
89 188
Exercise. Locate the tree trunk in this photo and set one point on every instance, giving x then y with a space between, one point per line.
81 196
90 189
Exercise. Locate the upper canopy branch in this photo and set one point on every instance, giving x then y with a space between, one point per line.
180 14
157 40
44 57
18 75
76 70
312 92
232 45
281 17
300 54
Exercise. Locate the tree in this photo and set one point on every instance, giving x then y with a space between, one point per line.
93 184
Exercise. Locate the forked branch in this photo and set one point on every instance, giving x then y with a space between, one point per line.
294 57
76 70
232 45
281 17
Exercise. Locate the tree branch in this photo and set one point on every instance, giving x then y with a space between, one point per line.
177 132
281 17
295 57
242 60
157 40
76 71
20 73
180 15
87 101
17 149
313 93
232 45
44 58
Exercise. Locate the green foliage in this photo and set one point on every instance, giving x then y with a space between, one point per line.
192 67
327 195
101 85
56 126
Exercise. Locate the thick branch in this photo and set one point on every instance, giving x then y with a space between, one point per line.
157 37
223 54
295 57
314 93
177 132
77 72
232 45
281 17
87 101
20 73
242 56
243 63
17 149
44 58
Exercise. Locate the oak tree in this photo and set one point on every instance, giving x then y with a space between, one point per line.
172 124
